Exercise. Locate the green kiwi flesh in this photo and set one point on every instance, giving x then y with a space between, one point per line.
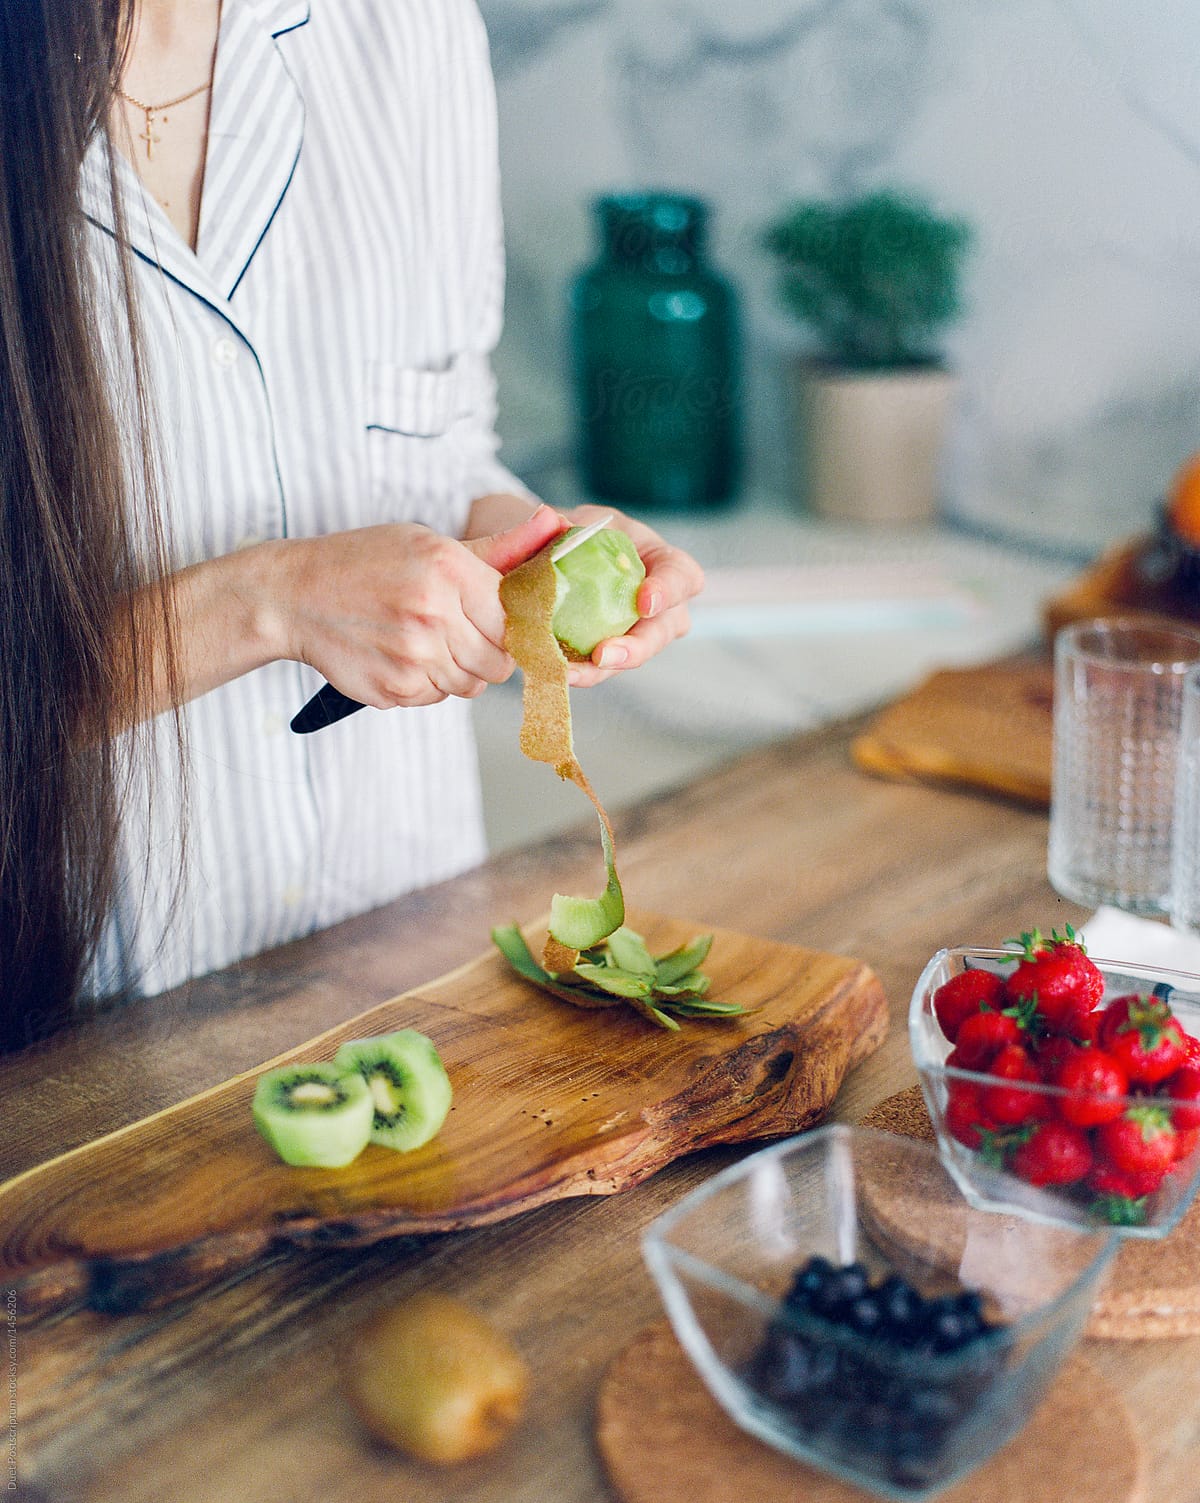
406 1083
596 588
313 1115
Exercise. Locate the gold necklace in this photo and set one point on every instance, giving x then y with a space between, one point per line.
152 110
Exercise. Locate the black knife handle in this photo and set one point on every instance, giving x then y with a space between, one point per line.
327 706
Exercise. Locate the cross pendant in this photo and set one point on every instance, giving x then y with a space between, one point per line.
148 135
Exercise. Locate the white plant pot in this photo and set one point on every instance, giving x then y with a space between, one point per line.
869 444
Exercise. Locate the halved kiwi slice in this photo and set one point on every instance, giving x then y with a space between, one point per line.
313 1115
406 1082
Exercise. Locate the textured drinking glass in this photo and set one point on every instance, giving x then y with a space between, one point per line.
1118 695
1185 866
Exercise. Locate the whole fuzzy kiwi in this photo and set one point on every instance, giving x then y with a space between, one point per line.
435 1380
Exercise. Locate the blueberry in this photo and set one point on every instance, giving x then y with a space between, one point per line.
851 1394
864 1315
932 1409
842 1287
899 1303
809 1282
970 1313
782 1370
854 1281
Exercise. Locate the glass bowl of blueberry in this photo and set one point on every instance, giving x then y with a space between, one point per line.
1062 1086
844 1303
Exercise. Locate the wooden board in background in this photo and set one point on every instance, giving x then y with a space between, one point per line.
550 1101
989 727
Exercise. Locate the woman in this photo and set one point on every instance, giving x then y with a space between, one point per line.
250 275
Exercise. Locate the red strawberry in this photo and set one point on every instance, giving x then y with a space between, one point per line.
1140 1139
1051 1052
1186 1143
1106 1180
1010 1105
1097 1084
1183 1087
1192 1046
1057 976
1055 1153
1084 1026
966 1119
982 1036
956 999
1142 1035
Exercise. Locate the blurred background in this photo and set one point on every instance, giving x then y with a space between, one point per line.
1065 133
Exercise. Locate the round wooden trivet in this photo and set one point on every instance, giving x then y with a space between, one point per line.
665 1439
1153 1290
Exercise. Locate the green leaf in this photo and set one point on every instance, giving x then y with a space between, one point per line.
673 967
511 943
705 1009
1120 1210
610 979
695 984
655 1015
598 977
627 950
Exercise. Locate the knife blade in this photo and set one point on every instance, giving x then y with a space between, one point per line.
329 705
569 544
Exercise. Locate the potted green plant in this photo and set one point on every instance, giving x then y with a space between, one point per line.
874 280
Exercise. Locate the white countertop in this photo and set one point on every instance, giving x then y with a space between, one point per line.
802 622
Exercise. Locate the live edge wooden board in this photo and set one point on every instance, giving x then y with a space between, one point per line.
549 1101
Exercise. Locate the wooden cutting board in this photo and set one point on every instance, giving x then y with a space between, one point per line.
989 727
550 1101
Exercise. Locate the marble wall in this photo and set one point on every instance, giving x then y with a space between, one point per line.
1066 131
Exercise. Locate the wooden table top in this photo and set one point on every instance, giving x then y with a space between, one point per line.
234 1393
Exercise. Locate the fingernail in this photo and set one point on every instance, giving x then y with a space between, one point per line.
613 657
654 602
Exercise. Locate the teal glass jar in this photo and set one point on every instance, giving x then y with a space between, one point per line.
656 360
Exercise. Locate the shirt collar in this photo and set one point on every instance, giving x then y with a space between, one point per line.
279 16
255 133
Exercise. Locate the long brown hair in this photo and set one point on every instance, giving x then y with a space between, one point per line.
72 643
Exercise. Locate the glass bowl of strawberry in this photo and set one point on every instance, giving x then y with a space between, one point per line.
843 1302
1060 1085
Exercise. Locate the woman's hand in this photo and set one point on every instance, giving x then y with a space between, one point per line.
672 579
398 615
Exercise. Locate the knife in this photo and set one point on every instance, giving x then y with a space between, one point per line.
329 705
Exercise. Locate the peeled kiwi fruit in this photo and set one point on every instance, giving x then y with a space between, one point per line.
313 1115
406 1083
596 589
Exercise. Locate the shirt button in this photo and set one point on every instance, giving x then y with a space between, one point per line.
292 896
224 352
272 724
249 541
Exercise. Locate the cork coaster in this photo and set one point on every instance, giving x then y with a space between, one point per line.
1153 1291
988 727
664 1439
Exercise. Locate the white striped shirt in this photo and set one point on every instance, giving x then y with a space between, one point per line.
319 363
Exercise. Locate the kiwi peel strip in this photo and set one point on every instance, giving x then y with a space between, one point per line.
528 595
590 958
